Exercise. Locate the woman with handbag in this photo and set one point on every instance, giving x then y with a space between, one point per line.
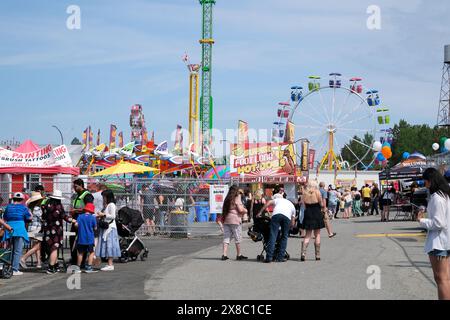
108 241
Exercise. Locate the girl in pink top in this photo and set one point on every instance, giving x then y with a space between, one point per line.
232 214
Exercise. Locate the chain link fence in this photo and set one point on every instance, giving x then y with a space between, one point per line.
172 207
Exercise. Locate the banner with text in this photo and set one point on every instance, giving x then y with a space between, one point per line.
217 195
46 157
263 159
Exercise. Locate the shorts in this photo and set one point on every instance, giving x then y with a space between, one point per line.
149 213
439 253
85 248
348 205
232 230
36 236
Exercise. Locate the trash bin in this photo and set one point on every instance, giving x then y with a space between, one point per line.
202 211
213 217
178 221
191 216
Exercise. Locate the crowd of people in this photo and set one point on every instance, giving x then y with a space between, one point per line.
38 221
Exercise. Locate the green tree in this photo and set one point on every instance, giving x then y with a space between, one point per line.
76 142
358 151
414 138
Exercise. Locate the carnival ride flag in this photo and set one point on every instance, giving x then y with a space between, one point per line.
121 139
112 137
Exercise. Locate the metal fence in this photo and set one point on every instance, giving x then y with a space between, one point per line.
172 207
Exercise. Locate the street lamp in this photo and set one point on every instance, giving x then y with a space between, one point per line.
226 155
60 133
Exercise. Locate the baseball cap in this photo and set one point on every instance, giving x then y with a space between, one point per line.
89 208
18 195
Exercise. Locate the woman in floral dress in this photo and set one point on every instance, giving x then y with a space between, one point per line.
53 216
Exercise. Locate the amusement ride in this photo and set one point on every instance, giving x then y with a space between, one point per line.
332 116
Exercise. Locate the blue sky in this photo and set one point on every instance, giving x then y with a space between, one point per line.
130 52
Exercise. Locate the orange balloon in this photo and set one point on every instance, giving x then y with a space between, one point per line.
386 151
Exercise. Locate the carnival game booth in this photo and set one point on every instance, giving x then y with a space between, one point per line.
407 171
30 165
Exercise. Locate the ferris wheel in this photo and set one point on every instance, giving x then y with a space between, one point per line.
342 117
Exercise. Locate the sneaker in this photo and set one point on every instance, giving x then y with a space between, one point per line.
241 257
52 271
17 273
89 269
76 269
108 268
23 264
225 258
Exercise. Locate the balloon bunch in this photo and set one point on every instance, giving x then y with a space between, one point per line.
443 145
384 152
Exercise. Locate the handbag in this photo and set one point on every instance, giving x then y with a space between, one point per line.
102 224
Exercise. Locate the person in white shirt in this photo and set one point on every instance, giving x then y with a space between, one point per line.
283 216
437 244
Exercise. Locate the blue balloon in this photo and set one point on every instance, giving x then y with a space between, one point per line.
380 157
386 144
406 155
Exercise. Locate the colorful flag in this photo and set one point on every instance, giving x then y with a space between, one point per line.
312 156
243 140
305 163
144 136
112 137
85 136
91 138
98 138
290 132
121 139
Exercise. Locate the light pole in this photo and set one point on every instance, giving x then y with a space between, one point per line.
60 133
226 156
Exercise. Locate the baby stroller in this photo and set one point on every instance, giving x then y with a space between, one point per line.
260 231
128 223
6 251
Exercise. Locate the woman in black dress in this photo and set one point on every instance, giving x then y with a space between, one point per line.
313 219
257 203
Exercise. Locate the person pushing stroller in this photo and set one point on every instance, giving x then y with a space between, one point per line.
283 216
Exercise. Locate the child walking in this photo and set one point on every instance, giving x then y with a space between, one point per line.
86 224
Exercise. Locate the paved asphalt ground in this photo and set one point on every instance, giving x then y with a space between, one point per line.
192 270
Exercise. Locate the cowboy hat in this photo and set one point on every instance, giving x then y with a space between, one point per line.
35 196
57 194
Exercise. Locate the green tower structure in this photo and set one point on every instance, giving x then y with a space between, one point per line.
206 99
